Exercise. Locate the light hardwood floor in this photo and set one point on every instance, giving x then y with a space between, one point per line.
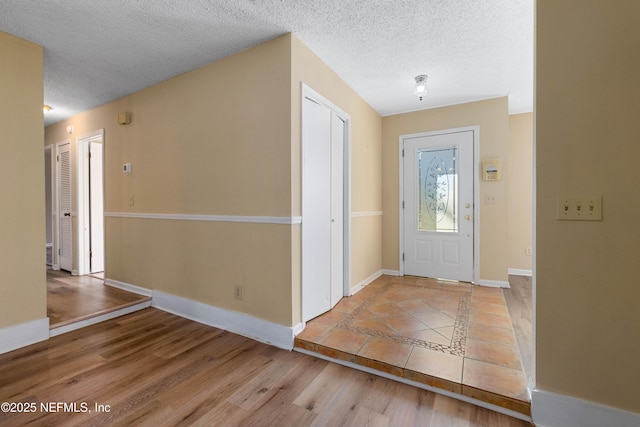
74 298
154 368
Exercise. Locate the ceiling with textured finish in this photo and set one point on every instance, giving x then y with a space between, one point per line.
98 51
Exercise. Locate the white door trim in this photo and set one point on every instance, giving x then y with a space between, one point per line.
54 204
307 92
476 205
84 245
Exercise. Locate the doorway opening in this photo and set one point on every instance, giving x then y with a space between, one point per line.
76 293
91 203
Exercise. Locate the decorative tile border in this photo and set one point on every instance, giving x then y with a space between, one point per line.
458 341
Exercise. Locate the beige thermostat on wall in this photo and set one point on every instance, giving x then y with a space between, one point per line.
492 169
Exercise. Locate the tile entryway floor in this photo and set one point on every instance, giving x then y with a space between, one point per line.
453 336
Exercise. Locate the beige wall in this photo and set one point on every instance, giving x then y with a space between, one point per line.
492 117
520 190
214 141
366 178
225 140
587 109
22 222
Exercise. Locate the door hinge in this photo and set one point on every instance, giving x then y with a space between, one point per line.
58 158
402 256
403 152
403 204
59 251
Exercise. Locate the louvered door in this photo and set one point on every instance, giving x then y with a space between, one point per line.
65 231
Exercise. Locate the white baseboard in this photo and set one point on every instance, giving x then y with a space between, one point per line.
391 272
557 410
359 286
128 287
23 334
239 323
97 319
494 283
520 272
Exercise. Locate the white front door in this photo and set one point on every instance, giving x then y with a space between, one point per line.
438 204
65 233
322 208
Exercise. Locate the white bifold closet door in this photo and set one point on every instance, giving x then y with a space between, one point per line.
322 209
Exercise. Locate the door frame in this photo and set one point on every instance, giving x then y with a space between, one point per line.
476 192
84 219
308 92
54 204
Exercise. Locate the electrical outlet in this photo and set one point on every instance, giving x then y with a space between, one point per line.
131 200
490 199
237 292
528 251
579 208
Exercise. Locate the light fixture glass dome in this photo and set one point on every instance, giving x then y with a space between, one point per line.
420 89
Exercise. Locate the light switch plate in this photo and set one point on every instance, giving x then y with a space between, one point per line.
579 208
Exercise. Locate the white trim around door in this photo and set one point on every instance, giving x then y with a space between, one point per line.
476 204
85 214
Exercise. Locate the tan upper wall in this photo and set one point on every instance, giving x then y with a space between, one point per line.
22 223
492 117
185 130
520 190
587 109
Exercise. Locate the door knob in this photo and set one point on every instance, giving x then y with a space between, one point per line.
468 217
67 214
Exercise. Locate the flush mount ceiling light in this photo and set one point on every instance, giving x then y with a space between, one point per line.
420 89
45 108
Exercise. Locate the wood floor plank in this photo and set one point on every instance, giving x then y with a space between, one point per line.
410 406
155 369
369 418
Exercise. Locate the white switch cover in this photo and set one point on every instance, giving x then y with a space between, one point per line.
579 208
